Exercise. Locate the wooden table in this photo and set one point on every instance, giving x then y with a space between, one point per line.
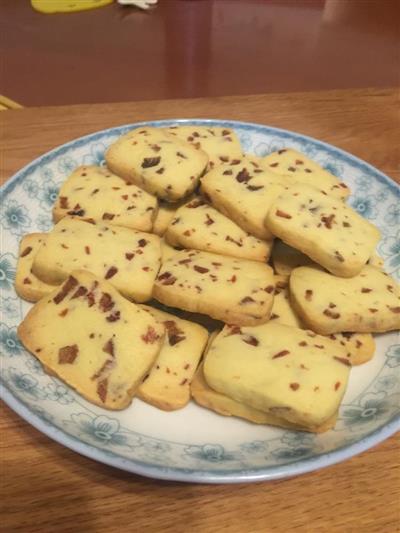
48 488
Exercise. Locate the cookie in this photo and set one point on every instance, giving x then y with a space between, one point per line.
167 250
199 226
301 169
236 291
158 162
285 258
220 144
360 347
167 384
366 303
166 212
127 258
282 311
323 228
207 397
93 339
27 285
284 371
244 191
376 261
97 194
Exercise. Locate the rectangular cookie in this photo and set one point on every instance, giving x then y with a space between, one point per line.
301 169
360 347
127 258
199 226
166 212
220 144
207 397
367 303
323 228
285 371
282 311
158 162
285 258
167 384
167 250
95 193
243 191
236 291
27 285
376 261
93 339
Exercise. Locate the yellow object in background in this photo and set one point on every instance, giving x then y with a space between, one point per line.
7 103
67 6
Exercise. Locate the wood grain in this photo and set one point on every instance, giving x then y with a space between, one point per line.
48 488
187 49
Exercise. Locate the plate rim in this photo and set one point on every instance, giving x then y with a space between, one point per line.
132 466
183 474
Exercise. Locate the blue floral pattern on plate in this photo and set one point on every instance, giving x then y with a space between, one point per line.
144 440
14 217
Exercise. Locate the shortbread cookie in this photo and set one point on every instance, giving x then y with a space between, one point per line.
27 285
232 290
158 162
93 339
324 228
366 303
97 194
376 261
207 397
282 311
288 372
243 191
360 347
285 258
199 226
301 169
167 385
127 258
220 144
166 212
167 250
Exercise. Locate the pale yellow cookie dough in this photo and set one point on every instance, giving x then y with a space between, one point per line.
366 303
243 190
128 259
167 384
158 162
92 338
199 226
27 285
289 372
299 168
220 144
95 193
228 289
323 228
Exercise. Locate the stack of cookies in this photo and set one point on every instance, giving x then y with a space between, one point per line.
266 248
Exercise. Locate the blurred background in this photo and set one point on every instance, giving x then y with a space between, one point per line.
194 48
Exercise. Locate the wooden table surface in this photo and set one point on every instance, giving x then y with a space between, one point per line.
48 488
193 48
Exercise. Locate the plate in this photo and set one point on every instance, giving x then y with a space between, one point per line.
194 444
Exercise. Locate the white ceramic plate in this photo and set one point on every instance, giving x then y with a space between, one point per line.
194 444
